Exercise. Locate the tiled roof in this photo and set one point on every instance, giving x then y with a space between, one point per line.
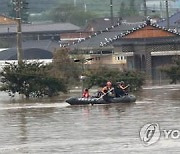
34 53
98 38
151 24
32 49
107 36
41 44
39 28
100 23
173 19
147 23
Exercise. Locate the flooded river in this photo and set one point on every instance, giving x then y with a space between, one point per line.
52 127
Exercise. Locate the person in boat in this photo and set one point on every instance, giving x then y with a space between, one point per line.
99 93
108 92
104 90
107 88
86 93
121 89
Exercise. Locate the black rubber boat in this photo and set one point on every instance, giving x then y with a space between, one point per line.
103 100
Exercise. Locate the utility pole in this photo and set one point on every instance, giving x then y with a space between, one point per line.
145 9
85 7
75 4
161 9
18 6
112 17
167 13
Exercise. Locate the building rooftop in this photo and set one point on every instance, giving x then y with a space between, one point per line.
119 33
32 49
99 24
173 20
96 39
29 54
39 28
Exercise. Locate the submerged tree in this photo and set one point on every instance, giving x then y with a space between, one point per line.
63 66
31 80
102 75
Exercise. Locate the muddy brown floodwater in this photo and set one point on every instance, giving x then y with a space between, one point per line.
52 126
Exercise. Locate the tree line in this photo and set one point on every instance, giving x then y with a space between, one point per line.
35 79
67 12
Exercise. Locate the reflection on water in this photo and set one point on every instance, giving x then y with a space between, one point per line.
52 126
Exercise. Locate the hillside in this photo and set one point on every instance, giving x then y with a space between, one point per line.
100 7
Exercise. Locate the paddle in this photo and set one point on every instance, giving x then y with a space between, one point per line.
105 93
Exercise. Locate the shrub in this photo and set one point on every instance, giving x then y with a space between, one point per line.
102 75
173 71
31 80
